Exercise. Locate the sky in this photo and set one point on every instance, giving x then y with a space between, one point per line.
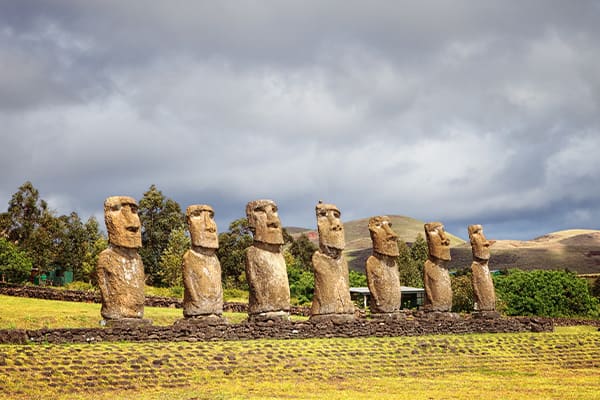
456 111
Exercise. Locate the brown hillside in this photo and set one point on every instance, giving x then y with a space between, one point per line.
575 249
358 239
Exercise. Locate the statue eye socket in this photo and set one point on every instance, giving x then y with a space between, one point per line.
322 213
336 214
133 209
115 207
259 209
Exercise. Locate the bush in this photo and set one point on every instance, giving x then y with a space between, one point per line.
462 293
15 265
357 279
546 293
78 285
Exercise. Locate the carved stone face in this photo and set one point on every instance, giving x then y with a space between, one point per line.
437 241
331 229
264 222
203 228
479 244
385 240
122 222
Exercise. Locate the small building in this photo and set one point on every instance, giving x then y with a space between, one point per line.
411 297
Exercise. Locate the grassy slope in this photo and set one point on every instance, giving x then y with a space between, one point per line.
575 249
26 313
560 365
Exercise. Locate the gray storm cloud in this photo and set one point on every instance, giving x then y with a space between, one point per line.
463 112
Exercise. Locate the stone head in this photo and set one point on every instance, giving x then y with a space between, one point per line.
122 222
331 229
479 244
385 240
437 241
203 228
264 222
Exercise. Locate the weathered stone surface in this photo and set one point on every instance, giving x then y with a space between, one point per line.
483 286
381 268
332 285
203 292
120 270
436 279
266 273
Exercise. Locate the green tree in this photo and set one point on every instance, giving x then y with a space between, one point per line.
73 245
96 242
303 249
32 226
15 265
171 259
25 213
301 280
159 216
419 250
409 271
231 253
546 293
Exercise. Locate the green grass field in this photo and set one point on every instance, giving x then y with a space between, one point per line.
560 365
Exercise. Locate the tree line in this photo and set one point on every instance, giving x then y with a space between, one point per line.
34 236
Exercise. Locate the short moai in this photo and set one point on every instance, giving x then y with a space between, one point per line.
331 300
483 286
382 270
266 273
120 270
201 270
436 278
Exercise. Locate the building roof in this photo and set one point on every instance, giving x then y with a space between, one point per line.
403 289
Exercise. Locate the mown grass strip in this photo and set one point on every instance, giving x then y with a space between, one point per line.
26 313
562 364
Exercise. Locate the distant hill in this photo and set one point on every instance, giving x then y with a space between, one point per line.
358 239
575 249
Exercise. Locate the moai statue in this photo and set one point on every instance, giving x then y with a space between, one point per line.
483 286
438 290
382 270
331 300
266 272
120 270
203 292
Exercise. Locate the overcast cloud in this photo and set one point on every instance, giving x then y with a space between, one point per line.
459 111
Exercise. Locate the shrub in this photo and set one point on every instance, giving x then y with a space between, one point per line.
546 293
462 293
15 265
78 285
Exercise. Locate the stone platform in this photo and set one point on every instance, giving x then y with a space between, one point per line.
193 332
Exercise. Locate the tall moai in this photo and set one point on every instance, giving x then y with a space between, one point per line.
331 300
483 285
201 269
382 269
438 289
266 273
120 270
